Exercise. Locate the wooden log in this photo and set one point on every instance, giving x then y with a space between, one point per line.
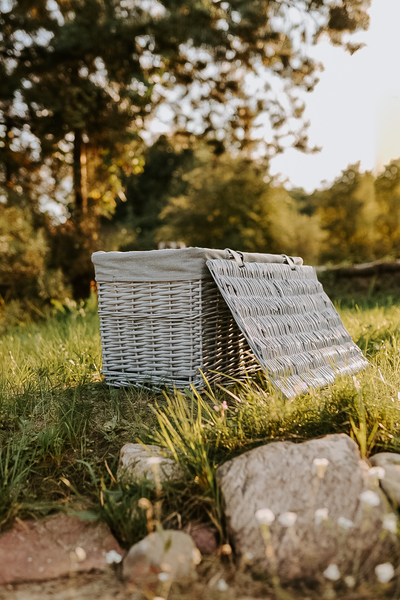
363 270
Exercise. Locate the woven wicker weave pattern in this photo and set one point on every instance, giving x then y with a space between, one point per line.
167 332
289 322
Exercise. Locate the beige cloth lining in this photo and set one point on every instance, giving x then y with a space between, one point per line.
168 265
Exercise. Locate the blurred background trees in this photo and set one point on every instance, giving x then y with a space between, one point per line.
232 200
82 169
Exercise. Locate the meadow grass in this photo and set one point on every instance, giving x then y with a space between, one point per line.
61 427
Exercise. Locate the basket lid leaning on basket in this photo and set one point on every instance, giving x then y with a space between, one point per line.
167 316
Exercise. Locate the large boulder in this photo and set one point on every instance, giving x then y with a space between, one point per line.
295 509
390 480
55 547
146 462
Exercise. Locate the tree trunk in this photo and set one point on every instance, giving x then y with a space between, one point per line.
82 269
80 176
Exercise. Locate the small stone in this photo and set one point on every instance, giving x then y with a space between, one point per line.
171 552
73 544
204 536
142 462
390 483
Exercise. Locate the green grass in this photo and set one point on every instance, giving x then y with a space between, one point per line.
61 427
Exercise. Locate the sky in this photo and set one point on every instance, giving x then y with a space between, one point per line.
354 111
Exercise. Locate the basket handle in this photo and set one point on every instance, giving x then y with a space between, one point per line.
289 261
237 256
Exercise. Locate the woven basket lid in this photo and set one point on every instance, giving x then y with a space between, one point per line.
289 322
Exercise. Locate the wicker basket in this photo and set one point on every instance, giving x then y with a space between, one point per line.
163 320
169 316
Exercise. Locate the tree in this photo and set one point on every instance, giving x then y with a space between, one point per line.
80 76
348 213
387 189
229 204
147 192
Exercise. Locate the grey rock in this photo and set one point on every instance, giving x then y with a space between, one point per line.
134 464
172 553
283 477
391 481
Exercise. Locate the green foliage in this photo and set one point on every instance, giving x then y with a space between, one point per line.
147 192
387 187
26 283
348 212
228 204
22 252
16 465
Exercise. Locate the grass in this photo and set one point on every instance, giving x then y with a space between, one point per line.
61 427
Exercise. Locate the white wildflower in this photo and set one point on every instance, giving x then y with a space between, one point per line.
321 464
113 557
80 554
390 523
350 581
398 395
370 498
287 519
377 472
332 572
265 516
196 556
345 523
154 460
145 504
222 586
321 514
384 572
163 577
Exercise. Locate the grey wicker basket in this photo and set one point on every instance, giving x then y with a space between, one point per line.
169 316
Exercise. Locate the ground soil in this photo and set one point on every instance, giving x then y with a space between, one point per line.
109 586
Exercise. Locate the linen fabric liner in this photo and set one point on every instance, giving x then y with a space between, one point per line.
168 265
289 322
